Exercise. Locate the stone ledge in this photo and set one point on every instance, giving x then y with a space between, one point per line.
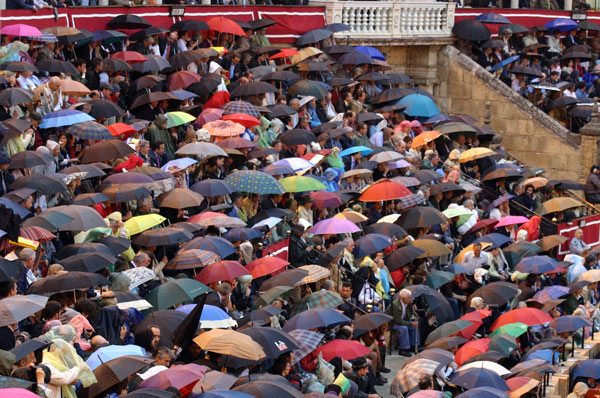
573 140
383 41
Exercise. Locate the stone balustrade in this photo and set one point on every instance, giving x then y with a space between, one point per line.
390 19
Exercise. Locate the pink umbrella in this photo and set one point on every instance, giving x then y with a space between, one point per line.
208 115
428 394
21 30
19 393
181 377
511 220
334 226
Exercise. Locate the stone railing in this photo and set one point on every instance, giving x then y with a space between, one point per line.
391 19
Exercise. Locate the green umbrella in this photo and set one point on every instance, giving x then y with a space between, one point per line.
270 295
320 299
11 382
438 278
178 118
301 184
502 343
253 181
511 329
463 215
447 329
175 292
307 88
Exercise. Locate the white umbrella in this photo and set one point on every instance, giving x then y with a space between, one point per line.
489 365
16 308
269 222
138 276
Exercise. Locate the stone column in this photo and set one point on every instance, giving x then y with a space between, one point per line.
590 134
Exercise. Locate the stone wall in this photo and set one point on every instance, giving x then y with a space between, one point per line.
463 87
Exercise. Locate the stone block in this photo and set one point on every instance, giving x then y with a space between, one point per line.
460 90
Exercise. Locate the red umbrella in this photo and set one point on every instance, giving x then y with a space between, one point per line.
221 271
475 317
286 52
266 265
243 119
345 349
130 56
208 115
324 199
182 79
529 316
482 224
119 129
385 190
236 143
470 349
225 25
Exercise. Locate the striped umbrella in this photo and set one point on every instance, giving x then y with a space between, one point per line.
90 131
252 181
192 258
319 299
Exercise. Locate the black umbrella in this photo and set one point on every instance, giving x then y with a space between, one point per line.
286 278
261 23
116 244
115 371
281 111
88 262
589 368
103 109
479 377
496 293
373 76
16 66
337 27
447 343
15 96
514 27
355 58
254 88
426 176
90 199
588 25
128 21
151 393
281 75
27 159
155 63
314 36
420 217
402 256
306 88
341 81
44 184
493 44
297 137
206 85
525 71
190 24
446 187
391 94
166 320
386 228
147 81
569 323
11 269
81 248
273 341
115 65
151 31
67 282
264 313
368 117
22 350
436 302
183 59
472 30
56 66
212 187
152 97
185 332
368 322
162 237
390 108
70 39
312 66
269 389
563 101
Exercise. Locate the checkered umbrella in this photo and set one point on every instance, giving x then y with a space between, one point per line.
320 299
240 107
315 273
308 342
45 37
411 200
90 131
408 377
254 182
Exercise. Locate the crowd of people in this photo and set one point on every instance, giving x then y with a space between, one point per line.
196 213
553 66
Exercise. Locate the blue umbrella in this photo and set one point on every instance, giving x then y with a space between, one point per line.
214 244
105 354
536 265
223 394
183 94
483 392
479 377
325 85
67 117
212 317
370 244
495 239
507 61
440 117
589 368
546 355
355 149
371 52
561 24
418 105
319 318
242 234
15 207
492 17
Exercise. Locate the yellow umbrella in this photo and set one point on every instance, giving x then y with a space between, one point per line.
537 182
305 53
351 215
433 248
139 224
461 255
229 342
475 153
558 204
591 276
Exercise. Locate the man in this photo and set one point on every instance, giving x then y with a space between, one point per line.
405 322
90 52
349 306
351 161
570 40
140 260
221 298
477 258
237 200
157 154
6 177
93 76
148 339
81 67
526 199
360 376
143 46
233 66
168 45
106 90
343 104
27 257
51 96
144 151
361 137
162 357
577 245
46 52
270 202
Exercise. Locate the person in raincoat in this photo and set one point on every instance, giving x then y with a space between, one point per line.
259 39
157 131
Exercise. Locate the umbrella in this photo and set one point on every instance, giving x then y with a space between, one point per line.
409 376
588 368
388 229
178 118
319 299
418 105
551 293
345 349
301 184
324 199
20 30
192 258
254 88
368 322
447 343
402 256
225 25
106 151
536 265
569 323
433 248
215 244
297 137
125 193
254 182
307 88
229 342
16 308
290 277
128 21
180 198
50 221
308 340
492 18
212 317
489 365
561 24
512 329
384 190
162 237
89 262
83 218
166 320
558 205
116 370
221 271
273 341
266 266
334 226
472 30
266 389
447 329
201 150
475 153
369 244
479 377
139 224
529 316
27 159
16 66
420 217
437 279
175 292
63 118
270 295
56 66
479 392
242 234
67 282
511 220
314 36
90 131
108 353
244 120
436 302
317 318
496 293
182 377
22 350
240 107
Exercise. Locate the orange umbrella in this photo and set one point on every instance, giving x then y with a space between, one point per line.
529 316
424 138
130 56
224 128
73 88
384 190
521 385
286 52
470 349
475 317
265 266
118 129
225 25
243 119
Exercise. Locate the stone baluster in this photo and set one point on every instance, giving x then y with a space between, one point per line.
360 19
345 18
352 19
376 14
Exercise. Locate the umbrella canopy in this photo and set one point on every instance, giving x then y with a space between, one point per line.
420 217
589 368
67 282
409 376
536 265
89 262
221 271
229 342
181 377
447 329
163 237
139 224
318 318
320 299
368 322
478 377
496 293
180 198
266 389
273 341
174 292
345 349
492 18
16 308
301 184
116 370
334 226
254 182
266 266
558 205
528 316
569 323
384 190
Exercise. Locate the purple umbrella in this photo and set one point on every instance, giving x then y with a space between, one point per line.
499 201
551 293
208 115
179 377
127 178
334 226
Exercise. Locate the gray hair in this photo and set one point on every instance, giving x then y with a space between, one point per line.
143 143
141 256
26 254
405 293
294 101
